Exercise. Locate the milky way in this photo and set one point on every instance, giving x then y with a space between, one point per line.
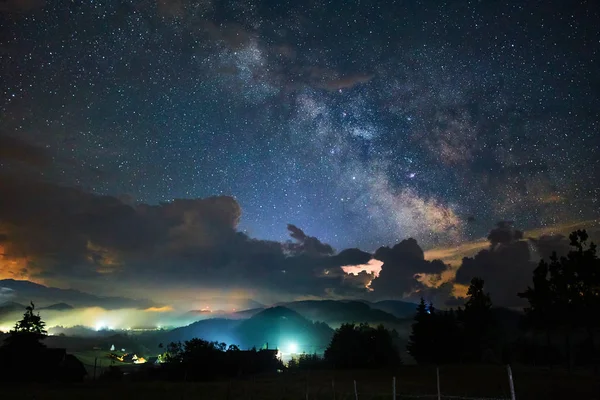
363 123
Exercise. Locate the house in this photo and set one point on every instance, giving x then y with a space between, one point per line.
40 365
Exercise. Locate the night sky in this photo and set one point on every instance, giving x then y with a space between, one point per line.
361 123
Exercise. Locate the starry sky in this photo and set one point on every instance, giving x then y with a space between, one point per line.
361 123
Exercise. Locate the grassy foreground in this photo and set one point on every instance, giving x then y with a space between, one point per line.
471 381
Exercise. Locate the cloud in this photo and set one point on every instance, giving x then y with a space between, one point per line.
6 294
21 6
67 236
306 244
507 264
402 265
12 148
504 233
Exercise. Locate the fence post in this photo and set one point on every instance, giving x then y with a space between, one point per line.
437 373
333 387
355 392
511 383
306 386
394 387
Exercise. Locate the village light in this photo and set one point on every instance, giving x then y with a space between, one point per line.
292 347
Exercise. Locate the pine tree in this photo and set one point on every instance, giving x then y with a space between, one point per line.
478 321
566 293
420 344
28 332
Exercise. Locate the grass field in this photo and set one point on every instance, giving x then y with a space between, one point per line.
471 381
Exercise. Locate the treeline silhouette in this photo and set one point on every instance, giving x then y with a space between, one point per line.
198 360
560 325
352 347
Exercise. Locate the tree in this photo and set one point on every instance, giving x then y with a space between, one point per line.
566 293
361 346
478 321
306 361
541 313
435 336
421 340
28 332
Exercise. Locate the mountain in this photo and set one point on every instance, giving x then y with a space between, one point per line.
279 327
398 308
285 329
58 307
11 309
335 313
214 329
204 314
26 291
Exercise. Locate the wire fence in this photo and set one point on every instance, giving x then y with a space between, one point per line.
348 390
439 395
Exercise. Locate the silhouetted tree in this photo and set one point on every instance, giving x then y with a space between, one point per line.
198 359
422 337
435 336
449 342
565 295
27 333
541 313
361 346
478 322
306 361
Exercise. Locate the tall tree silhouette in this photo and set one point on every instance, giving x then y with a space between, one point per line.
478 321
422 337
436 336
28 332
541 315
566 293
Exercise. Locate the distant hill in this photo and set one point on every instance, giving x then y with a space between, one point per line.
277 326
398 308
213 329
26 291
338 312
58 307
286 329
11 310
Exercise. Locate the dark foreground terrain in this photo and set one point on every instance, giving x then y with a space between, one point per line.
468 381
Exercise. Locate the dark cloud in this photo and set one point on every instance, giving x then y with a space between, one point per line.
504 233
21 6
401 266
506 270
507 265
12 148
545 245
306 244
67 234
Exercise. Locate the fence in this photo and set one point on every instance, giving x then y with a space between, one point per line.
313 387
439 395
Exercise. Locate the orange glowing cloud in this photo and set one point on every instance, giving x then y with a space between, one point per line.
372 267
159 309
105 259
15 267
